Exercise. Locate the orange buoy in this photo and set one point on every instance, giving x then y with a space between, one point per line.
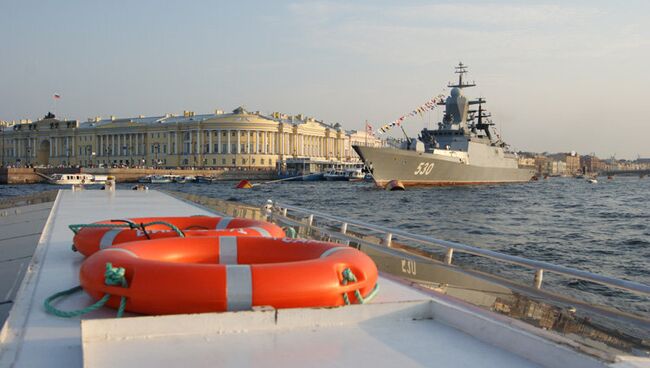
244 184
208 274
89 240
394 185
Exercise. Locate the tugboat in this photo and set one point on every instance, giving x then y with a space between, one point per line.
463 150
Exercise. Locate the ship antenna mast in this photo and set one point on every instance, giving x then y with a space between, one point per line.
461 69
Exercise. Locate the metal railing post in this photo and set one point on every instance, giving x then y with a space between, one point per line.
284 212
388 239
449 255
539 276
344 228
310 220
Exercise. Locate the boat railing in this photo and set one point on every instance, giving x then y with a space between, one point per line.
307 218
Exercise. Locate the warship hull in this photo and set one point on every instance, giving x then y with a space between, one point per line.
426 169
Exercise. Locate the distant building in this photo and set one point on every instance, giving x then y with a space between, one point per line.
359 138
592 164
237 139
572 162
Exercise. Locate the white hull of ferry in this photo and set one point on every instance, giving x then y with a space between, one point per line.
76 179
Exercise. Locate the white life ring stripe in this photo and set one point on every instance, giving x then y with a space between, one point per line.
223 223
108 238
239 287
228 250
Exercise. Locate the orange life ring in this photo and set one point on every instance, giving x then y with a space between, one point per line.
197 275
89 240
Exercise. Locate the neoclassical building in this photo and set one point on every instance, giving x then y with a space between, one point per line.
237 139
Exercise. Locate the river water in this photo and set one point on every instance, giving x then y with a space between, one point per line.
602 228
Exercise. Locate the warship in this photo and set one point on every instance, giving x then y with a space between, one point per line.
463 150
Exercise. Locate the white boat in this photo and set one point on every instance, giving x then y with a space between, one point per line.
336 175
76 179
592 181
355 174
160 179
206 179
403 326
145 179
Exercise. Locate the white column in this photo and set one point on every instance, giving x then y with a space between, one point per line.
51 146
238 150
228 141
219 141
248 141
199 149
210 148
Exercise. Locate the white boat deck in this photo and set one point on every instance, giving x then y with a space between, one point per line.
403 327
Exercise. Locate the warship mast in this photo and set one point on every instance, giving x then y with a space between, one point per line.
461 69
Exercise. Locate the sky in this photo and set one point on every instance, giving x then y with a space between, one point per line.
557 76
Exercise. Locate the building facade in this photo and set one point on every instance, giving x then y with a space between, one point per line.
239 139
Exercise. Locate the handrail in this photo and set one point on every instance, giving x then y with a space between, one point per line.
539 266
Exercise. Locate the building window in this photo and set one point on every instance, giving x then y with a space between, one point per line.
233 148
216 148
252 161
262 161
214 161
164 148
234 162
206 148
185 162
223 161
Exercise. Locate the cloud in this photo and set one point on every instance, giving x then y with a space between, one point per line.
417 34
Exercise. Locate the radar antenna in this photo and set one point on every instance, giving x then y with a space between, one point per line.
461 69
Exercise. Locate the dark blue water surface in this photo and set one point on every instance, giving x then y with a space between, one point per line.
602 228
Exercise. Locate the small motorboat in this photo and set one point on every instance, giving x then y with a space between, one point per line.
160 179
145 179
336 175
206 179
355 174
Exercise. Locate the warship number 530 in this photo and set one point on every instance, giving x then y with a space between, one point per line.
463 150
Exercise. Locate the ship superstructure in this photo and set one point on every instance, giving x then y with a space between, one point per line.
464 149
